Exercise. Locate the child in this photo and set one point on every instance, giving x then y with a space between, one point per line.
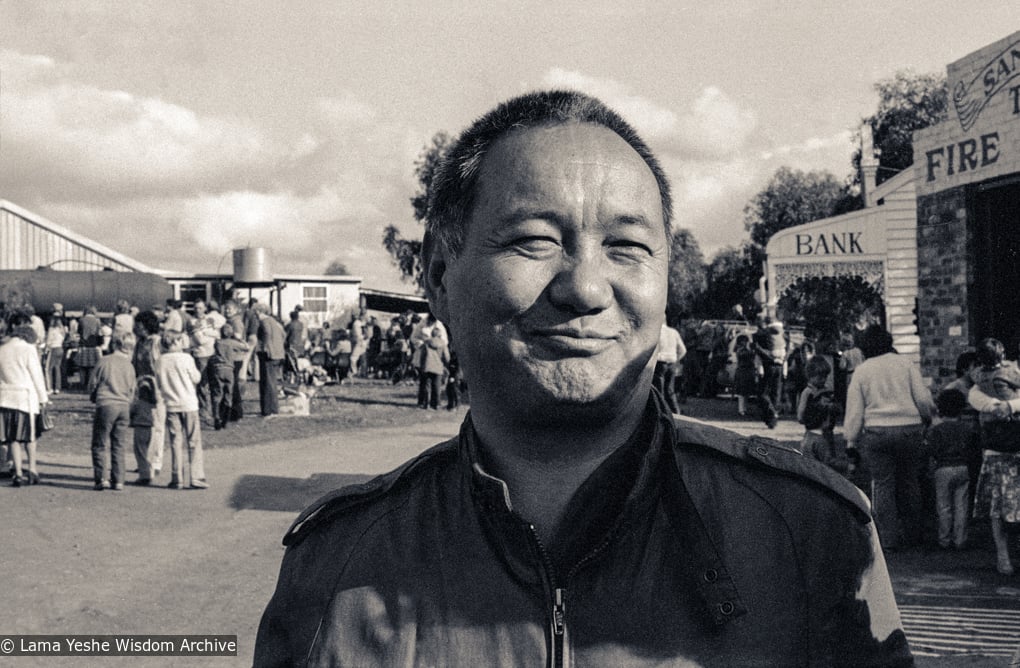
745 378
951 443
112 386
178 378
226 352
819 417
144 416
817 370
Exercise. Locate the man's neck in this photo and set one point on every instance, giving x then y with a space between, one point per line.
544 466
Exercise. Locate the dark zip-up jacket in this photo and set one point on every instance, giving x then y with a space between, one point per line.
718 551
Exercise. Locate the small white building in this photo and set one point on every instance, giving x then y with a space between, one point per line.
877 243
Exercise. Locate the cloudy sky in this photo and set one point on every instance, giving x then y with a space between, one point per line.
176 131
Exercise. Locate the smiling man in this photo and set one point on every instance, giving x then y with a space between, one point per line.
574 521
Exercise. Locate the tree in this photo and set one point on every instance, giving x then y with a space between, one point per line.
336 268
828 305
792 198
686 275
731 279
425 168
906 102
406 253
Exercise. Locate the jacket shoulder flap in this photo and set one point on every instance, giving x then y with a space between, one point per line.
756 451
348 498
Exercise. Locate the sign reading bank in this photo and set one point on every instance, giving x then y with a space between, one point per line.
981 139
856 235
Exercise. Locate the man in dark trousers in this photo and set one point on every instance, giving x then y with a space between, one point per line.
574 520
271 354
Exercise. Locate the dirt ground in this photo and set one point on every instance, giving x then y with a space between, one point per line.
159 561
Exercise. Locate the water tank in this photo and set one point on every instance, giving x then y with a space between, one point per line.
77 289
251 265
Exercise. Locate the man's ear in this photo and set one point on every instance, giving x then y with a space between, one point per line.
434 263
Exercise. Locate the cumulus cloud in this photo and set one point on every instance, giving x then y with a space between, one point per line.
116 142
714 126
151 178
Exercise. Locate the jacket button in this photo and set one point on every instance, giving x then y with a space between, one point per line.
711 575
761 451
726 608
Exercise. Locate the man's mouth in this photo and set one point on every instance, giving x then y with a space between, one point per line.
573 341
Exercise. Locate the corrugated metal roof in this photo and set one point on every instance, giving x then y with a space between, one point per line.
76 239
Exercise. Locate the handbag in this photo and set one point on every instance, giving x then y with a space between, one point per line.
44 421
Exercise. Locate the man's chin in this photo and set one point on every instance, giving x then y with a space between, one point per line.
566 392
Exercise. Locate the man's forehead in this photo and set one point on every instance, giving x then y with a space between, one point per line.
567 142
529 161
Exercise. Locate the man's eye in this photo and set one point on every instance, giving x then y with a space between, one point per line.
628 249
535 244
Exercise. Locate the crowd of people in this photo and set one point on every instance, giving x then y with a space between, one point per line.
414 348
164 374
931 460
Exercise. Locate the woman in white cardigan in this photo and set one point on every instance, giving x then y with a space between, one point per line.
22 393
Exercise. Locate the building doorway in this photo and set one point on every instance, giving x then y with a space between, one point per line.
995 306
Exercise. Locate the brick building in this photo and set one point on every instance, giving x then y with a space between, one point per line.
967 176
939 242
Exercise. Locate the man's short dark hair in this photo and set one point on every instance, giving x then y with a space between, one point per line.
951 403
876 341
817 366
148 321
964 362
454 185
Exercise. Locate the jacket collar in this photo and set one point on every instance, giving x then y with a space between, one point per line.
655 476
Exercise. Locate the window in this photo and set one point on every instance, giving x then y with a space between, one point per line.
313 299
190 293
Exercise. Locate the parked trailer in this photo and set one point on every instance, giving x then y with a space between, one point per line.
77 289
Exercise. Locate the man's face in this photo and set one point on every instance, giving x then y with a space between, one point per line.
200 308
558 294
229 310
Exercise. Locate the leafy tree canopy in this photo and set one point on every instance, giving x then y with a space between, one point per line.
792 198
731 279
425 168
906 102
828 305
406 253
686 274
336 268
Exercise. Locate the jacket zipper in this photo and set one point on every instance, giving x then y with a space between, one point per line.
559 653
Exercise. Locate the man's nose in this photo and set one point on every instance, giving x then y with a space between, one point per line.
583 284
